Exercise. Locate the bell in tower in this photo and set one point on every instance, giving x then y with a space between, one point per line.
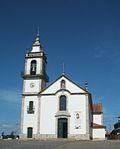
33 67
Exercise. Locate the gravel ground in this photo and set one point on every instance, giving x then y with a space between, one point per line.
59 144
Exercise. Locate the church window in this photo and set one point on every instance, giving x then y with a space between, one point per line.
62 103
30 108
33 67
62 84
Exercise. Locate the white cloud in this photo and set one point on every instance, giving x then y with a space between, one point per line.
12 96
6 125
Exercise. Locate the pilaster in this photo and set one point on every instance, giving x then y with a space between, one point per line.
87 116
22 116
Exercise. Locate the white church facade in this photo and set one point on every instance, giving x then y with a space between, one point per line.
62 109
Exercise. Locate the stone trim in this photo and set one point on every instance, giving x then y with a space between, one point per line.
22 116
37 76
30 94
36 55
56 124
88 131
86 92
52 94
62 113
45 136
23 136
39 114
95 113
87 116
54 136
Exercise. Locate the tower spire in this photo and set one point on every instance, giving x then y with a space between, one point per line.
37 47
37 40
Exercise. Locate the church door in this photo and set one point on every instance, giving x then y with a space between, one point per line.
29 132
62 127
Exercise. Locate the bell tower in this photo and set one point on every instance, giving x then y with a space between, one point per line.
34 81
35 76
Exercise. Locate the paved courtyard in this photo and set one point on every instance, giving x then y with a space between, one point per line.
59 144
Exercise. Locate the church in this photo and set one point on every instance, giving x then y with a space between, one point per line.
61 109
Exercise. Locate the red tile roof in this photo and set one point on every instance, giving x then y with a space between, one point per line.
94 125
97 108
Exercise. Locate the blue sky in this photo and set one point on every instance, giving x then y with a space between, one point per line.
84 34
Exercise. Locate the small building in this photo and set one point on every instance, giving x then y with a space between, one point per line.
98 127
62 109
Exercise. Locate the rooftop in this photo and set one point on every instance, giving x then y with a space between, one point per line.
97 108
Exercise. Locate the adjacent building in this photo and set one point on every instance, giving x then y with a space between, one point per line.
115 134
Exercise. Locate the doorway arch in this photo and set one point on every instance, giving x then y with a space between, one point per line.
29 132
62 127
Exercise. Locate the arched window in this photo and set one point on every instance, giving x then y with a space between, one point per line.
62 103
33 67
62 84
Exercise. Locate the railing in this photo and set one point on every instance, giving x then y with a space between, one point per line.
30 110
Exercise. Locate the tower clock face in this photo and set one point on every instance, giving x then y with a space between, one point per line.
32 85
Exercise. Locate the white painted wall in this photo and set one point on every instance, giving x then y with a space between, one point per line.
30 120
76 104
98 119
72 87
50 106
69 85
47 116
36 49
27 86
99 133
